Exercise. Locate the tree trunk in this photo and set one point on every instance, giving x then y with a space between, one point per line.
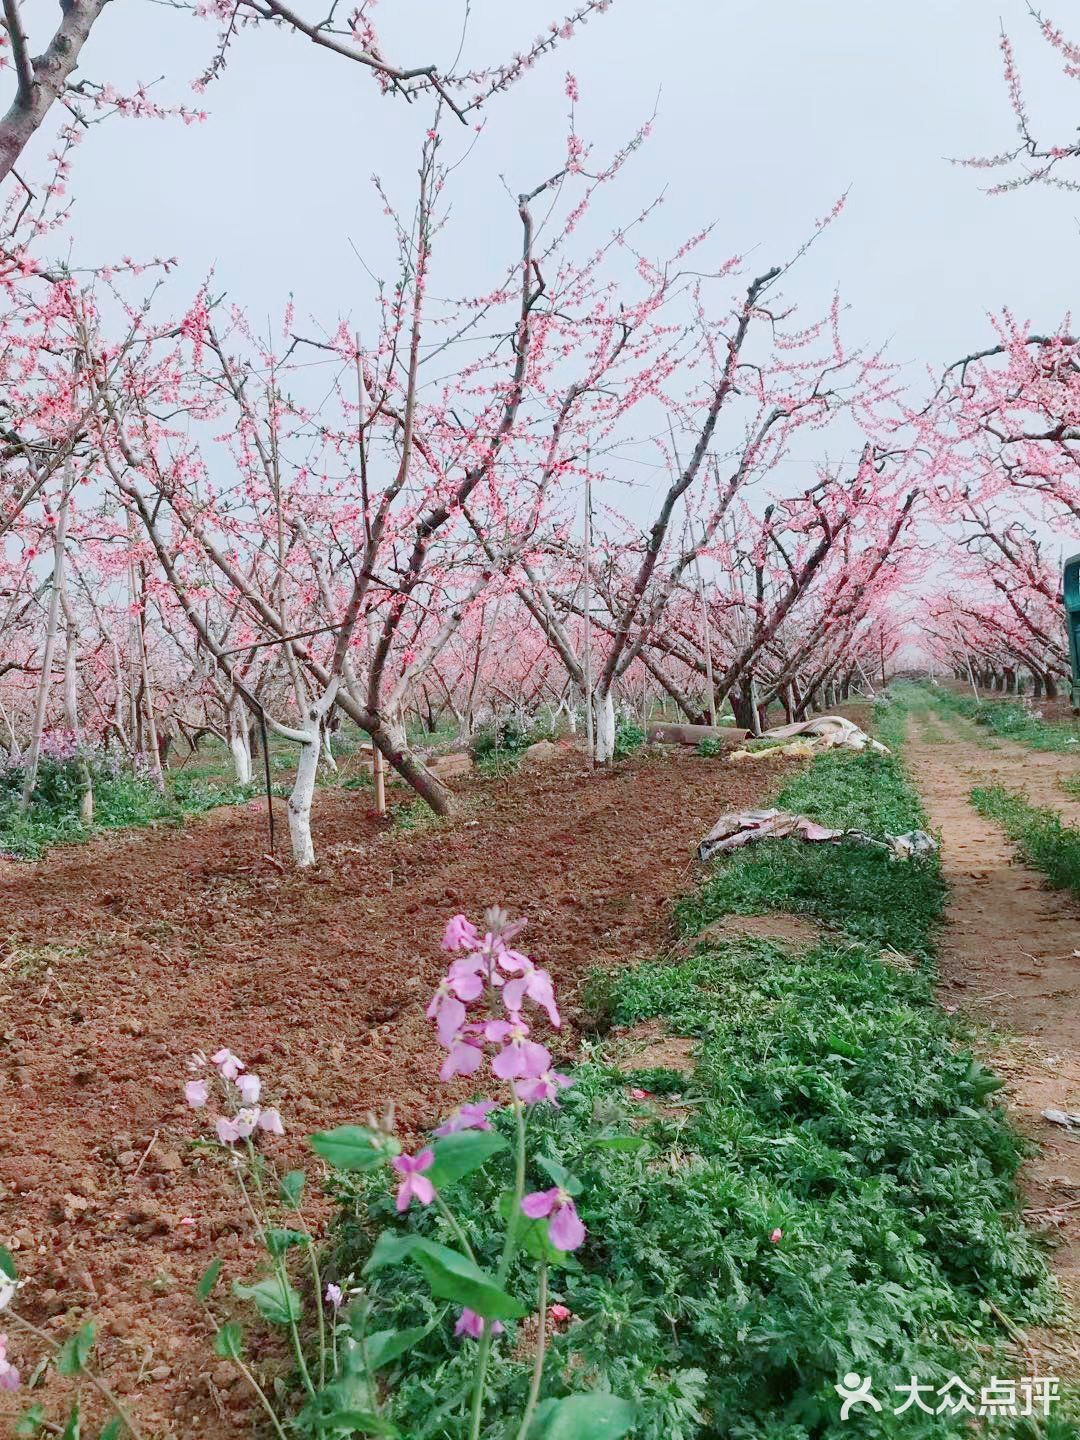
239 744
30 778
603 728
303 792
742 707
1050 685
327 751
391 743
71 706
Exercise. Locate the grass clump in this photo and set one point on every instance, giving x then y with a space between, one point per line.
629 737
1043 840
125 797
498 749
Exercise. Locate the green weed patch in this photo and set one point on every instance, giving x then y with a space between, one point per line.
1043 840
1013 721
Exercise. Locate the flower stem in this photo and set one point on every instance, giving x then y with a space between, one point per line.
279 1266
538 1361
261 1393
450 1218
320 1307
509 1246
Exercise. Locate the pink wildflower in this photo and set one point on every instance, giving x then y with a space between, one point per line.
471 1324
637 1094
228 1064
270 1121
9 1376
520 1058
536 984
196 1093
415 1185
460 934
249 1087
565 1230
238 1127
334 1296
511 960
464 1057
468 1117
449 1014
776 1236
543 1087
559 1313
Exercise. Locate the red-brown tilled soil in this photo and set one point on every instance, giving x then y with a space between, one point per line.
123 957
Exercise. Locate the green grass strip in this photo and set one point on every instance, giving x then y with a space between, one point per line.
1044 841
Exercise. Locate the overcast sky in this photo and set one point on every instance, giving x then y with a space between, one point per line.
766 111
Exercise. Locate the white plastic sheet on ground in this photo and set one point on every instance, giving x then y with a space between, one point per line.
809 737
746 827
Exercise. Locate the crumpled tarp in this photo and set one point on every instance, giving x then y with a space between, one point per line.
745 827
809 737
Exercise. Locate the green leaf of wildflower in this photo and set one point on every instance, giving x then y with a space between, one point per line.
113 1429
277 1241
386 1345
209 1279
292 1188
75 1350
559 1175
354 1147
30 1421
229 1341
450 1276
618 1142
73 1428
583 1417
7 1264
459 1155
356 1422
274 1298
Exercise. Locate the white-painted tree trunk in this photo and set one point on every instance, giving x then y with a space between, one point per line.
240 745
603 728
327 752
71 705
34 753
303 792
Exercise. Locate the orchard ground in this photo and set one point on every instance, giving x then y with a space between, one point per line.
121 958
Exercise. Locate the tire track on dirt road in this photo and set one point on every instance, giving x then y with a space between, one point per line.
1010 958
1038 773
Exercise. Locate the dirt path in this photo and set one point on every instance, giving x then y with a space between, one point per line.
118 960
1011 960
995 761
